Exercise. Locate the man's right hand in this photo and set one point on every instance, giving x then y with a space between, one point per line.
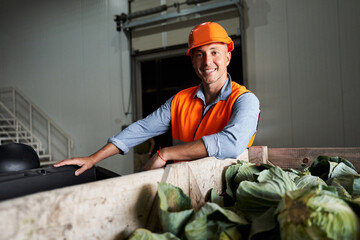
84 163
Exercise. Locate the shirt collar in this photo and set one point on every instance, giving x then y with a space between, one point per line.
223 95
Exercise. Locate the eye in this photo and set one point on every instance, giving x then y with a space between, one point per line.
198 54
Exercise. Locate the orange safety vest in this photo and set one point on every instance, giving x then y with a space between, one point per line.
187 121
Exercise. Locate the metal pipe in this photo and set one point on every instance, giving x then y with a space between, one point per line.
138 23
146 12
189 2
49 138
14 100
30 117
68 148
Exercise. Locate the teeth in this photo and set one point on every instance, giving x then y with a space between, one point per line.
209 70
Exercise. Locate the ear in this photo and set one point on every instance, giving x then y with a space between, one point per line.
228 58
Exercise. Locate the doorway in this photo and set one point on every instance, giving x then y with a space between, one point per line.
161 74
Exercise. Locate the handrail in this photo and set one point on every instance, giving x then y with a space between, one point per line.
2 118
21 124
15 95
33 106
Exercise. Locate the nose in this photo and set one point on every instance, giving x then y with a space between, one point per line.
207 59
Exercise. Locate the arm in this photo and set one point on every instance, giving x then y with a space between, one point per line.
234 138
228 143
186 151
155 124
86 163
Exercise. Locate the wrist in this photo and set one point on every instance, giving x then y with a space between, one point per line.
93 160
160 155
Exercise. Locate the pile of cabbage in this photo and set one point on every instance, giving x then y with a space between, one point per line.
267 202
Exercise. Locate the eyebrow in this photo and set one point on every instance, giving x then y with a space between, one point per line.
213 48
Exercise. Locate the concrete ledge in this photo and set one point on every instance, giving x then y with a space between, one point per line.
107 209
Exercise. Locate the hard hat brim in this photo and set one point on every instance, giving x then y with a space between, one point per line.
230 45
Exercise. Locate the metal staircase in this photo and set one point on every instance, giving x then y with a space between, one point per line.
23 122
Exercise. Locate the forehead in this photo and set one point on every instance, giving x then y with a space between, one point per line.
212 46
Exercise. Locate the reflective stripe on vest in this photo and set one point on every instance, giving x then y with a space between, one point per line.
187 120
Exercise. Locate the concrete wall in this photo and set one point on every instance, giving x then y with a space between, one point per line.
68 58
302 63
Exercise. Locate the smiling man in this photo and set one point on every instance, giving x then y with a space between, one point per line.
217 118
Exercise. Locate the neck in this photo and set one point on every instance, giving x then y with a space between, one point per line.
212 92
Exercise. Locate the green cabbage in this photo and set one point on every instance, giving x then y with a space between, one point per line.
316 213
254 198
267 202
144 234
213 221
175 208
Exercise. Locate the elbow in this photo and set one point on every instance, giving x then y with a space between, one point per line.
233 151
234 147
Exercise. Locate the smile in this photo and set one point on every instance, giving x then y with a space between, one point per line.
209 70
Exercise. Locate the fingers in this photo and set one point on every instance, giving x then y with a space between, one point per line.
81 170
72 161
83 163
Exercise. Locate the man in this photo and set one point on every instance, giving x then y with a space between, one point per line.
216 118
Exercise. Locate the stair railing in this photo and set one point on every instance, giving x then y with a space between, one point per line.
37 123
17 126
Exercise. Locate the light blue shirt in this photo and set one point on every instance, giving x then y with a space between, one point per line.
228 143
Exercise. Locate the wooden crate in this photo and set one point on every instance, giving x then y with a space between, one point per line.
296 157
107 209
114 208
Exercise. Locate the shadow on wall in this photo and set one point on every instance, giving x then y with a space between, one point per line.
259 9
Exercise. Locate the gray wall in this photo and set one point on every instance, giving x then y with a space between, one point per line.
303 61
68 58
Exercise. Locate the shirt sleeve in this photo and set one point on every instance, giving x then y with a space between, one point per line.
153 125
234 138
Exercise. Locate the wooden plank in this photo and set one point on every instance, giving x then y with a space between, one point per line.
197 199
258 154
195 178
295 157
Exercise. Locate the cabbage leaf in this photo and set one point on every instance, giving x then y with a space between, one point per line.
254 198
316 213
144 234
213 221
175 208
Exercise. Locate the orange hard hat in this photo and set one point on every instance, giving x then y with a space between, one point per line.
208 32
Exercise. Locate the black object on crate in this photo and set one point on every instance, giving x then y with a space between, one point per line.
20 183
21 174
17 157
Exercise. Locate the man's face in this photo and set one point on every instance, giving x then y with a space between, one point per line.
210 63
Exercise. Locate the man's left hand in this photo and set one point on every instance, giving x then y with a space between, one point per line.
154 163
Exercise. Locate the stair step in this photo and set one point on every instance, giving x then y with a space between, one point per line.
34 145
47 163
4 126
11 127
14 124
5 119
44 157
20 137
14 132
